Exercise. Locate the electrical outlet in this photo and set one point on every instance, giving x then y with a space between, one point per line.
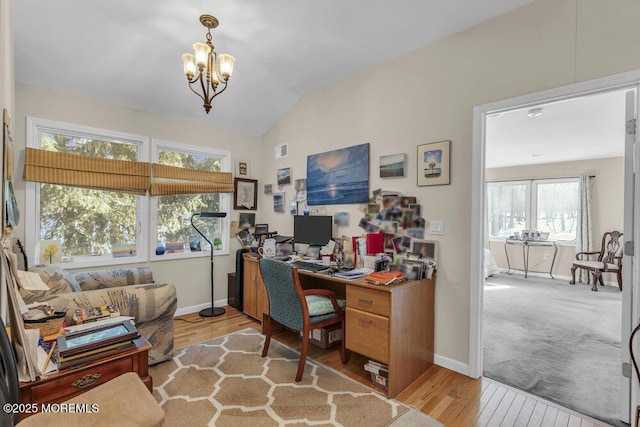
546 256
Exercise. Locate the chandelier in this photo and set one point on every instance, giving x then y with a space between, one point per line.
212 70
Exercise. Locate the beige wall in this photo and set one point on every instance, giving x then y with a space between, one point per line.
6 58
191 276
607 208
425 96
429 95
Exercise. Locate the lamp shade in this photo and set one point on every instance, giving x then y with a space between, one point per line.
226 65
211 214
189 62
202 53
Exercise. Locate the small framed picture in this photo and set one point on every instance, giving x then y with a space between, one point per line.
427 248
284 176
268 188
393 165
243 169
434 163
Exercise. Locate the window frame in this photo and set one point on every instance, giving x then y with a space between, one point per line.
146 212
531 209
225 200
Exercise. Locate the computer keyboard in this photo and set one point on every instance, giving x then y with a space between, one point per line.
310 266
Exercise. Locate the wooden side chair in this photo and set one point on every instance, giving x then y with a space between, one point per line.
289 305
607 260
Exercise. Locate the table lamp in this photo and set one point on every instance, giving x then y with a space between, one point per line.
213 311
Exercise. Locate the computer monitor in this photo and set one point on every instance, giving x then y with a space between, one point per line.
313 230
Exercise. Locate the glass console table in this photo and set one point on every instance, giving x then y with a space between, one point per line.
526 244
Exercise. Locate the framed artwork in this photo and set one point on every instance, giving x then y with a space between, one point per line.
246 219
245 194
50 251
434 163
393 165
427 248
338 176
268 188
243 169
278 202
284 176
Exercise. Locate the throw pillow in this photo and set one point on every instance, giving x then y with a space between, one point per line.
320 304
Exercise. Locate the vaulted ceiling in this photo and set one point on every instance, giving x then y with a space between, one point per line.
128 52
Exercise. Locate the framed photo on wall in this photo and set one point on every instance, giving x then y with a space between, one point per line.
434 163
243 169
245 194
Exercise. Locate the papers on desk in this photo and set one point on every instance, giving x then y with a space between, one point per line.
356 273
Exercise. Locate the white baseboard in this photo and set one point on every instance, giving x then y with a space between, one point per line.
453 365
197 308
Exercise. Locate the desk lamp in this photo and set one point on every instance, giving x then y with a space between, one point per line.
213 311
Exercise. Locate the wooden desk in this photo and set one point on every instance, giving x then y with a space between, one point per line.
67 383
390 324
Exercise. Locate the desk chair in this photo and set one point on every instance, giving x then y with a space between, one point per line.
124 400
288 306
609 260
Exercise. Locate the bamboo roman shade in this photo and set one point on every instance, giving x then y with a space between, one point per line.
97 173
121 175
175 180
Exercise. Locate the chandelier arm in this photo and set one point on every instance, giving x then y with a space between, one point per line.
216 93
201 97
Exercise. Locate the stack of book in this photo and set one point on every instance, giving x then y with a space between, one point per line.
89 345
379 373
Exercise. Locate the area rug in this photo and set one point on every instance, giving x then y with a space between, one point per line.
226 382
556 341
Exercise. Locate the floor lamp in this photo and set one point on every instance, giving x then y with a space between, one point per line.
213 311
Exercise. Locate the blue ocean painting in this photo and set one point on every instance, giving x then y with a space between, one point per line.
338 176
433 163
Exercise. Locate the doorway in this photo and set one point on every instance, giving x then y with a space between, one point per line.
624 81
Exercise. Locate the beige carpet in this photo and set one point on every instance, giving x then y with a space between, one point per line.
225 382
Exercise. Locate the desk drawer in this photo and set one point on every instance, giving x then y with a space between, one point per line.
368 334
371 300
61 389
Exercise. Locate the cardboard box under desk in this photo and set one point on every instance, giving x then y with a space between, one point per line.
325 337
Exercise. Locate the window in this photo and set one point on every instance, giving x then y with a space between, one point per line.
550 205
86 227
173 213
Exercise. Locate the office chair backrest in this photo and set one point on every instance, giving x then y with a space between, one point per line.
286 300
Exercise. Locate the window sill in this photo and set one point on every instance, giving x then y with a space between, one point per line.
188 255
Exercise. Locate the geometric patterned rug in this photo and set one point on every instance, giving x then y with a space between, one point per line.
226 382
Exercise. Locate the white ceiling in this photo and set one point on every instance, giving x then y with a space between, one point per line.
128 51
588 127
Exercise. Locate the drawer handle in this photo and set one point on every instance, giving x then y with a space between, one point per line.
86 381
363 320
365 301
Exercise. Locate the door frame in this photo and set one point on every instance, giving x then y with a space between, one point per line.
630 311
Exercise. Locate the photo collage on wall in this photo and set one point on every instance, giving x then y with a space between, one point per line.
399 218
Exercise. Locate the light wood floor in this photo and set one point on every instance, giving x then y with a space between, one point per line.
449 397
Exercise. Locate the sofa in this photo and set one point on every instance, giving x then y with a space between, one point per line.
132 290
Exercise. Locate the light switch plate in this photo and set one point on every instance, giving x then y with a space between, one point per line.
436 227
